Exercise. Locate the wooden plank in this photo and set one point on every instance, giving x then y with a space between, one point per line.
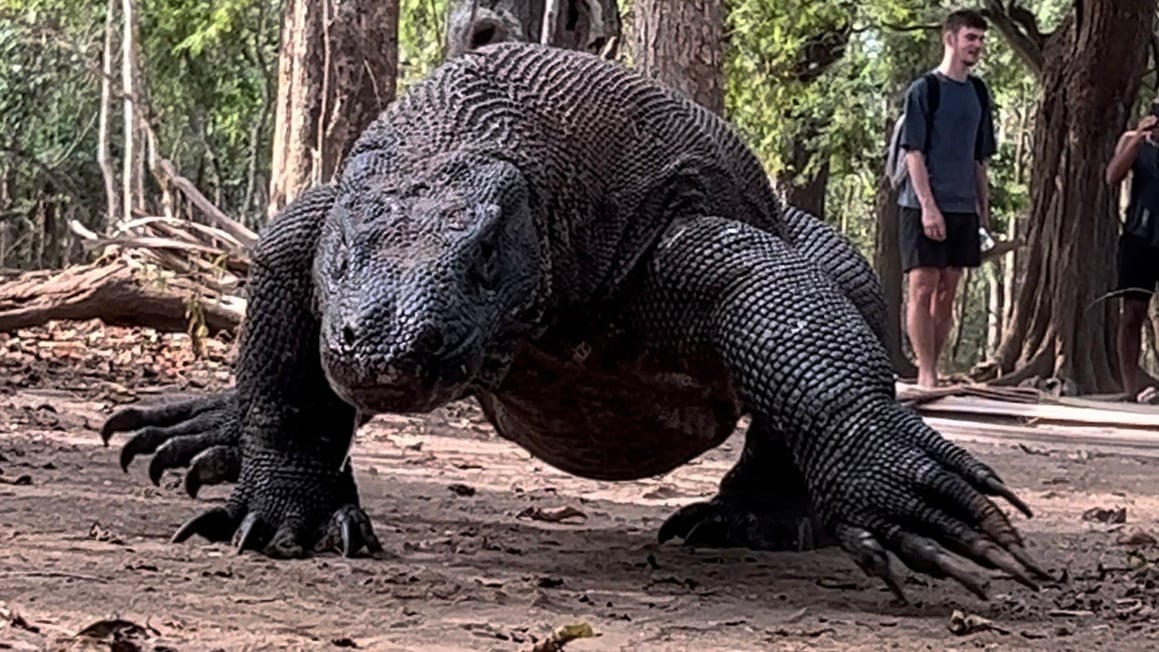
1042 411
1115 438
1098 404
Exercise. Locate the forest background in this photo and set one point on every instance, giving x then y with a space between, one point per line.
144 142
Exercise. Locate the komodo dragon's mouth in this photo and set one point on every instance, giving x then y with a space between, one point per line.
408 384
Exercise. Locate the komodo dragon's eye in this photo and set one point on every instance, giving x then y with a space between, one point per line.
485 271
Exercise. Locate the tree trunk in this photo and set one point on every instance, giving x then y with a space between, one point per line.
104 123
887 262
679 42
995 306
1091 77
818 55
133 176
336 73
807 194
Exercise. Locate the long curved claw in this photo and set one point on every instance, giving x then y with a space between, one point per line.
995 487
939 523
213 466
683 520
1000 545
215 524
868 553
348 532
1019 553
282 506
999 558
143 443
177 433
979 475
163 415
180 452
249 533
926 556
351 538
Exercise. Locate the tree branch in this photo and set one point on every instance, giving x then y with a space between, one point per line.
897 27
1020 29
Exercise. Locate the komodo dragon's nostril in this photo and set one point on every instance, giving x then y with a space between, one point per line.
349 337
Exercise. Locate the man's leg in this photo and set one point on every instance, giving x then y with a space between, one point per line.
963 249
1134 312
922 261
920 322
943 307
1137 275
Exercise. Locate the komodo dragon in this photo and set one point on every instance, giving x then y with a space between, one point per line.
604 266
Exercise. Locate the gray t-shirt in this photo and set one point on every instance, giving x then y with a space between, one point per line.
960 137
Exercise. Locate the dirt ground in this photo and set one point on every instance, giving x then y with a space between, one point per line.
471 563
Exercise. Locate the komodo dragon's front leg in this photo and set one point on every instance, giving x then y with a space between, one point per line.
763 502
295 486
806 364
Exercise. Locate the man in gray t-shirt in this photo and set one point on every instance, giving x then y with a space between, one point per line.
945 197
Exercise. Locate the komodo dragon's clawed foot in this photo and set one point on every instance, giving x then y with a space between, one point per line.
285 509
763 503
200 433
744 521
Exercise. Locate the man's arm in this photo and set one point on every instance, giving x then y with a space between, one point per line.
914 139
1125 152
986 146
915 162
982 179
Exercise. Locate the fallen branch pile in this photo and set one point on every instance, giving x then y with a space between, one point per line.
165 273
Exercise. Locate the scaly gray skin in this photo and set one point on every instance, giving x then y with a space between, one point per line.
558 237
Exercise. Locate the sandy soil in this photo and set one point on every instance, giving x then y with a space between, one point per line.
469 567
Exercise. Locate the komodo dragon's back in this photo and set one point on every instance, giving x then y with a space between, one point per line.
608 155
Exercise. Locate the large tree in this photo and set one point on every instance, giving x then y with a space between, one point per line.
1091 68
337 71
680 43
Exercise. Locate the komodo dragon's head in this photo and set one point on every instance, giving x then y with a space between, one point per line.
426 278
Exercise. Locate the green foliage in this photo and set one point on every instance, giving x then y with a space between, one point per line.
48 173
211 81
420 38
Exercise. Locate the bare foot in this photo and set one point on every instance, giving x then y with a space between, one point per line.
927 381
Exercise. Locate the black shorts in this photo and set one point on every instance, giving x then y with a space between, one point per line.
1138 267
961 248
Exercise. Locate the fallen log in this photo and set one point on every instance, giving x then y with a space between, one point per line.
117 293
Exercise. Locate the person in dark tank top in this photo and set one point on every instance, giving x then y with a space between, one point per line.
1138 257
